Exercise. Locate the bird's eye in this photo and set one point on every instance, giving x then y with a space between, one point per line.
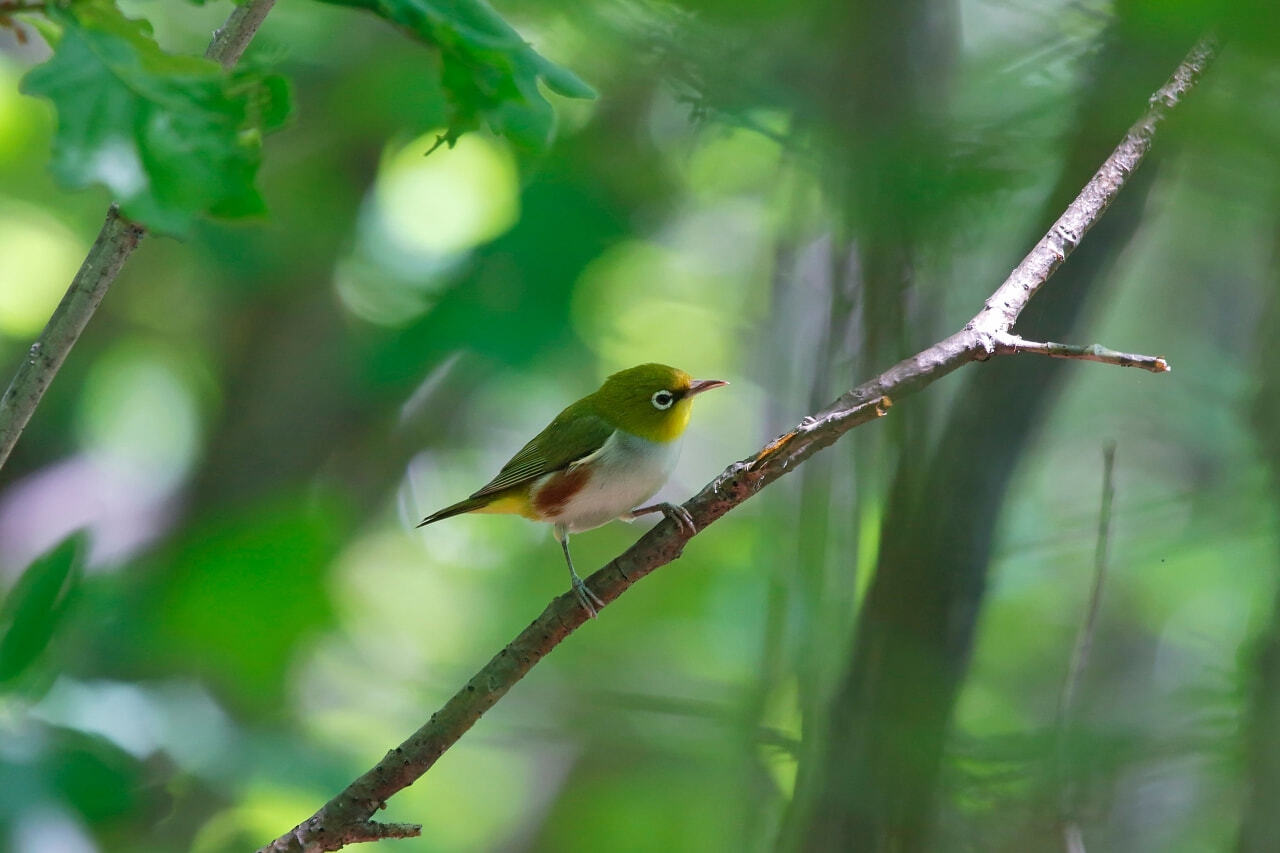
663 399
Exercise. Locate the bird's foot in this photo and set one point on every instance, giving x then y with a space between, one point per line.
677 514
590 601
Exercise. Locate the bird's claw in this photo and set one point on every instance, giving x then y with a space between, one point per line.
681 517
590 601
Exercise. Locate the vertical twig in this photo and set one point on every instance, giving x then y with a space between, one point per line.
115 243
1072 838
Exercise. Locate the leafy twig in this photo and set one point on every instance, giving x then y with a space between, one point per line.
115 243
332 827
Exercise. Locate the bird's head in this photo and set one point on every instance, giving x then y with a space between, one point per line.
651 400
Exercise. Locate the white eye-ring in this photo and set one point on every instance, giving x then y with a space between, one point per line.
663 399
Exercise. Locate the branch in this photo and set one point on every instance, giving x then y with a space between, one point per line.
1007 344
116 241
231 39
1072 837
368 830
977 341
1002 309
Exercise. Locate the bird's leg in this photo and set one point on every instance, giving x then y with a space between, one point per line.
675 512
585 595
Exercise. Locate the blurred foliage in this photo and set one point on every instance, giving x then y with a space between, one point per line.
170 136
33 608
787 196
489 71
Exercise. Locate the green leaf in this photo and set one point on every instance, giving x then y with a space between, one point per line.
172 137
488 71
36 604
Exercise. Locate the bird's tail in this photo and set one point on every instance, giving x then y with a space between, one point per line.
468 505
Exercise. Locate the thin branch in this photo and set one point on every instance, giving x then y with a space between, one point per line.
1001 311
740 481
369 830
1072 837
115 243
1007 344
231 39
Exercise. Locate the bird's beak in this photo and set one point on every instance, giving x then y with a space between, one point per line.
700 385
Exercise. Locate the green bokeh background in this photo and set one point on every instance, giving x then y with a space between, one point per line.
788 196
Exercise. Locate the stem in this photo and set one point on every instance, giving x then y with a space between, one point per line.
115 243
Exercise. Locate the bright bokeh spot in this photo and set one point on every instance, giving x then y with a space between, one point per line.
423 217
20 116
40 258
450 201
398 602
372 292
735 160
139 410
260 814
665 301
48 829
458 798
639 302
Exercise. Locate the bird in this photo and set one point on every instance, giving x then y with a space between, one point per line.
600 459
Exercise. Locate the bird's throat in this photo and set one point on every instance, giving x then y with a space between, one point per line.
670 427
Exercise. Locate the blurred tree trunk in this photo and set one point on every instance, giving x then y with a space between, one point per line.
1260 825
873 785
813 289
887 70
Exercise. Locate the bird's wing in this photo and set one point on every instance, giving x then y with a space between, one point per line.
576 437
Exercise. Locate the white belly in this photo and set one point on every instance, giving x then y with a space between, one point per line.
625 473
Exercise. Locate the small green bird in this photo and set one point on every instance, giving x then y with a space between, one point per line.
597 460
